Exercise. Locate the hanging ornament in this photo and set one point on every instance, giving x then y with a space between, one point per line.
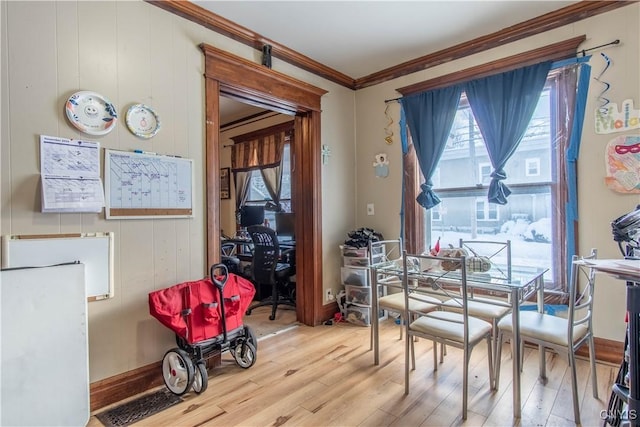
387 130
381 165
601 97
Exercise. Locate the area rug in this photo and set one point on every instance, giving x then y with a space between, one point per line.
138 409
263 328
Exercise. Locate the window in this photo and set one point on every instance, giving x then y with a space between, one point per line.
484 173
532 167
485 210
533 217
258 193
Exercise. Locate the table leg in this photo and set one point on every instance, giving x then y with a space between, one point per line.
515 351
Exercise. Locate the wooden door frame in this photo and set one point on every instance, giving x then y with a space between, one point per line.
254 84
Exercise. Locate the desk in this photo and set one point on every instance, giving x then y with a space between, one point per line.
524 282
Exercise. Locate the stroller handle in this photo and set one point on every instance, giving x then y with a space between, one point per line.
219 282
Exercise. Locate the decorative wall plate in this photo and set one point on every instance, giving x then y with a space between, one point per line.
91 113
142 121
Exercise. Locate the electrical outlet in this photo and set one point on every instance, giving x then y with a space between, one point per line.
328 295
370 209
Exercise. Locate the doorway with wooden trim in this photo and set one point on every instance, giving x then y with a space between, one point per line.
236 78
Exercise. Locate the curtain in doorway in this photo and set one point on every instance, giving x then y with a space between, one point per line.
262 153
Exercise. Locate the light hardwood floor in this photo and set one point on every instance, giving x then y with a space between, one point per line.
324 376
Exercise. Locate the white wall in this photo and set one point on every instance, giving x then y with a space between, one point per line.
134 52
598 205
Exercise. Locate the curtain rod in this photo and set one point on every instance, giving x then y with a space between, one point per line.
583 52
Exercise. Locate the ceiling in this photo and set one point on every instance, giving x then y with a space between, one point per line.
358 38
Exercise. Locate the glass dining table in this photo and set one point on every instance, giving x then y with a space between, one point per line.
524 282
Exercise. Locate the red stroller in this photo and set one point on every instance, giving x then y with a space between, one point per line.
206 316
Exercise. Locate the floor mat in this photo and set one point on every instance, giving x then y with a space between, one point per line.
138 409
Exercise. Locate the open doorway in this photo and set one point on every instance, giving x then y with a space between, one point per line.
239 79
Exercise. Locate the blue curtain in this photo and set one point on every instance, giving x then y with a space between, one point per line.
405 149
503 105
572 152
430 116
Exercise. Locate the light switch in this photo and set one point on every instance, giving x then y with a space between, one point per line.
370 210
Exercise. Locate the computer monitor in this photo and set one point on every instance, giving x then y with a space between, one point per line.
285 224
251 215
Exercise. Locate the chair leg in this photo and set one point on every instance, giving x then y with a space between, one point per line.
542 350
401 326
274 296
435 355
492 375
406 364
594 376
465 383
574 386
413 356
498 360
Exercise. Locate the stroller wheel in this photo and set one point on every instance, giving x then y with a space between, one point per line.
248 332
177 371
200 378
245 354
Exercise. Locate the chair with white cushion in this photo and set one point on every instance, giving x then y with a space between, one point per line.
564 335
456 329
390 288
488 308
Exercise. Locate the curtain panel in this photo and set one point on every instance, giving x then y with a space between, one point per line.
429 117
503 105
259 153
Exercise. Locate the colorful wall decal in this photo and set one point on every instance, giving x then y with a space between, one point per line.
623 164
609 119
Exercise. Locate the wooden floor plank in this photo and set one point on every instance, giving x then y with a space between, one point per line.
325 376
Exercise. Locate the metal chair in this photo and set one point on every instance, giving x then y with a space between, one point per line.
267 269
487 308
456 329
564 336
391 296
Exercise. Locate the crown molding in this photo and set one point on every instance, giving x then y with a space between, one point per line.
558 18
241 34
553 52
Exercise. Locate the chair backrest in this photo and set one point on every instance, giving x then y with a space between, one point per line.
424 281
581 290
266 253
498 253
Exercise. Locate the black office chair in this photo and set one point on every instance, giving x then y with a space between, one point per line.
267 269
